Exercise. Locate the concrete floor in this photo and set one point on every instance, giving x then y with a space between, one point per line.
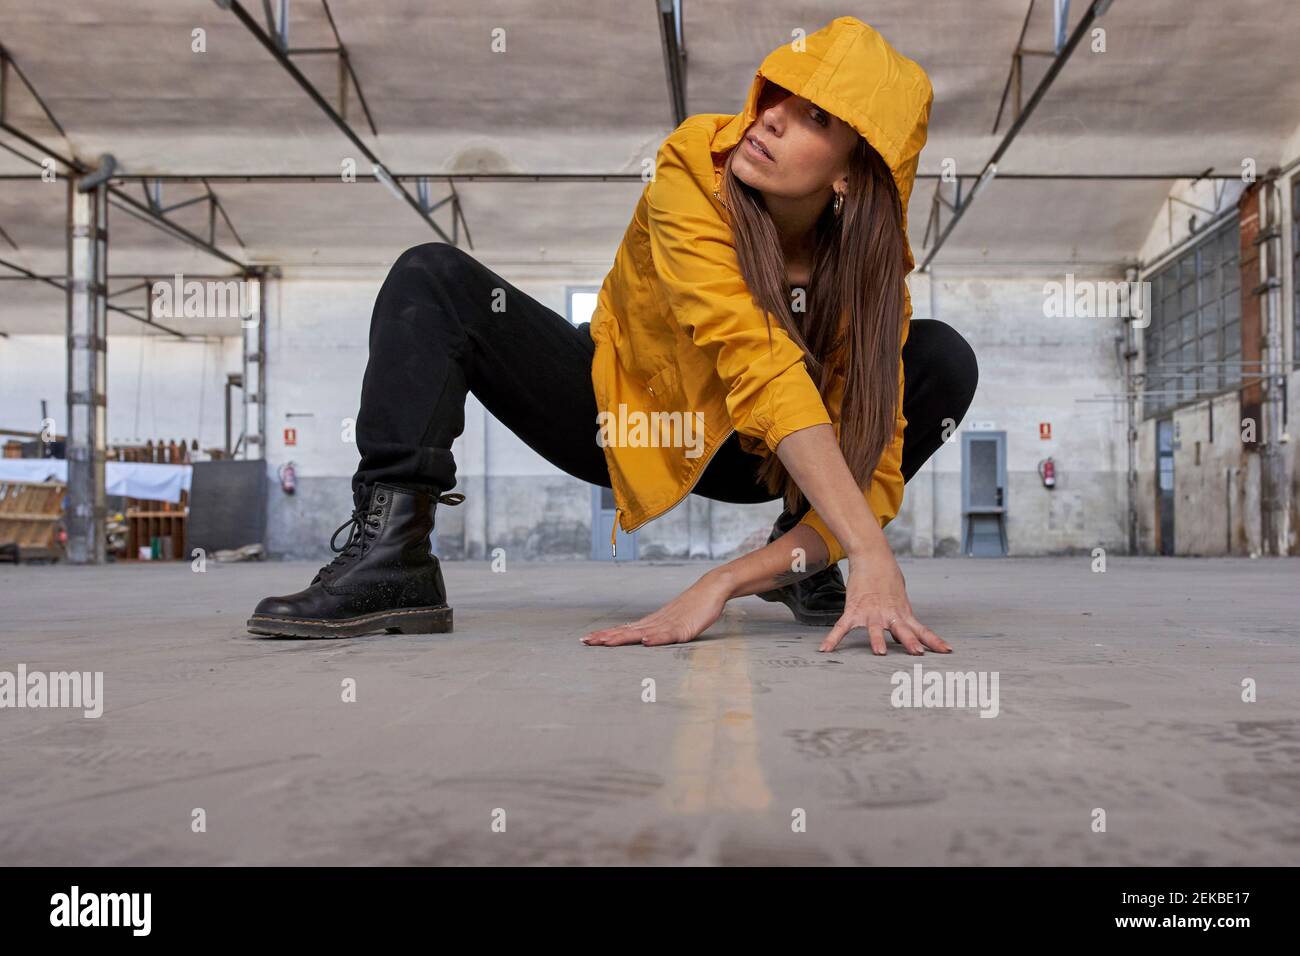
1119 691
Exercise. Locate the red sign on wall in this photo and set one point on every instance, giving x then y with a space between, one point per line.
291 436
1045 431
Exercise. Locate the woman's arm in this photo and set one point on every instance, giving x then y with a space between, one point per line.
814 460
876 597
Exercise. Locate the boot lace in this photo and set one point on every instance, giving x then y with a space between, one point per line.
363 527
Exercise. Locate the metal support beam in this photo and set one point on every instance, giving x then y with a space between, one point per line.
7 67
377 167
991 166
74 167
152 186
327 179
133 207
87 368
346 73
122 201
673 40
1014 75
57 283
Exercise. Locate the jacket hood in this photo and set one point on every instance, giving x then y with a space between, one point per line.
851 71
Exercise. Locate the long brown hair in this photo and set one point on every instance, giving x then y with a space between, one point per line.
857 274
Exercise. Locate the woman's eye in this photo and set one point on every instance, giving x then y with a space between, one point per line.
819 117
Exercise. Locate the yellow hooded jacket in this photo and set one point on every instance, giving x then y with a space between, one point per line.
675 327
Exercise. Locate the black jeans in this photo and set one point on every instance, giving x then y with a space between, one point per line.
444 325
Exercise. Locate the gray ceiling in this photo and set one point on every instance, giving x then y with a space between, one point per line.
1183 85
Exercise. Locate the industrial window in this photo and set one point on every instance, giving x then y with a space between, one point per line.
580 302
1193 345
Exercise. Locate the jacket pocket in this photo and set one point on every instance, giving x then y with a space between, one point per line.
665 388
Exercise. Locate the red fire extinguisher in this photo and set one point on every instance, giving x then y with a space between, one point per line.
288 478
1047 471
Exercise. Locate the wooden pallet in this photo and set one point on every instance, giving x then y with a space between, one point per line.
30 512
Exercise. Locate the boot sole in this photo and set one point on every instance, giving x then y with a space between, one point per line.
417 620
810 618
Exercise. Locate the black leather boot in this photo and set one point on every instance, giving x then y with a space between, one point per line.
385 578
817 600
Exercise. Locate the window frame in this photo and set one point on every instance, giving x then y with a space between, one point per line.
1195 328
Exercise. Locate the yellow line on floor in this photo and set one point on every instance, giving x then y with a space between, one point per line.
715 763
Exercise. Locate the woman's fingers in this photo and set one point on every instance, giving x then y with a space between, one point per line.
930 639
907 631
904 633
849 621
612 635
842 626
877 632
662 628
629 634
645 631
661 635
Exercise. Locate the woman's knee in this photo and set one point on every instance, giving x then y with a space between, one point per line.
945 353
432 257
426 273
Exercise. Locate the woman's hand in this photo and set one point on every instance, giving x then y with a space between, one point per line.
683 619
876 599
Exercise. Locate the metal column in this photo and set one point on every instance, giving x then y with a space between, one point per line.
87 367
254 370
1134 382
1273 491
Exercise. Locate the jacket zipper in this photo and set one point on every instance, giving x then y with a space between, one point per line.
614 533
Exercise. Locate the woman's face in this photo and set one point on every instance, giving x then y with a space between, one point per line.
807 148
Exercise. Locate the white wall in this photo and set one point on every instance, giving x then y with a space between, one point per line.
158 387
1033 369
317 348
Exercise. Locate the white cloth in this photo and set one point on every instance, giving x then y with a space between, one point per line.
132 479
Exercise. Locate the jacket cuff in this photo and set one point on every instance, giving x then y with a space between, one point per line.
884 498
813 520
794 404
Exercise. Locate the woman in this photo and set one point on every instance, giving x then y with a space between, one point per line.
795 208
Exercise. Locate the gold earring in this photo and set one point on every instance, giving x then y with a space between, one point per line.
839 202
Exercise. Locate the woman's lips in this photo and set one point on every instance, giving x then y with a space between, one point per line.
755 151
